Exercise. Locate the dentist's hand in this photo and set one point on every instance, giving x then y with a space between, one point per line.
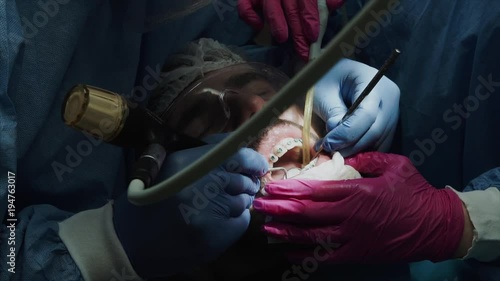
300 16
196 225
373 123
394 215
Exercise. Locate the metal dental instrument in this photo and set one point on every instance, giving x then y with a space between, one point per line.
394 55
296 88
392 58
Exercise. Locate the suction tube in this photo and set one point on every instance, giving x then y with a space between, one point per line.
299 85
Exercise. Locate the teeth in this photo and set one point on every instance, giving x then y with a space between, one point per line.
273 158
283 146
280 150
293 172
311 164
288 143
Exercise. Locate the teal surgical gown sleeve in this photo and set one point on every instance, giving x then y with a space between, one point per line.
449 85
62 176
449 80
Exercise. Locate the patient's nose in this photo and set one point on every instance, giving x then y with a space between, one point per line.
244 106
251 104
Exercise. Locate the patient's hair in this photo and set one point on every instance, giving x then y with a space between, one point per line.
243 79
192 62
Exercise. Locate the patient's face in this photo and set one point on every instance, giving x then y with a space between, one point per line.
223 100
254 257
281 144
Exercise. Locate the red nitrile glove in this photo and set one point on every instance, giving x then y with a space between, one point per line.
394 215
301 16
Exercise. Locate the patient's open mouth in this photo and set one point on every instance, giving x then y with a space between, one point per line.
287 155
283 147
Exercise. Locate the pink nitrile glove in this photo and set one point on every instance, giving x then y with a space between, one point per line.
300 16
394 215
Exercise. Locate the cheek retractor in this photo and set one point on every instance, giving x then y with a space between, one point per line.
287 173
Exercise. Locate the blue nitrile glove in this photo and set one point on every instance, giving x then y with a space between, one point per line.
373 123
216 138
196 225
